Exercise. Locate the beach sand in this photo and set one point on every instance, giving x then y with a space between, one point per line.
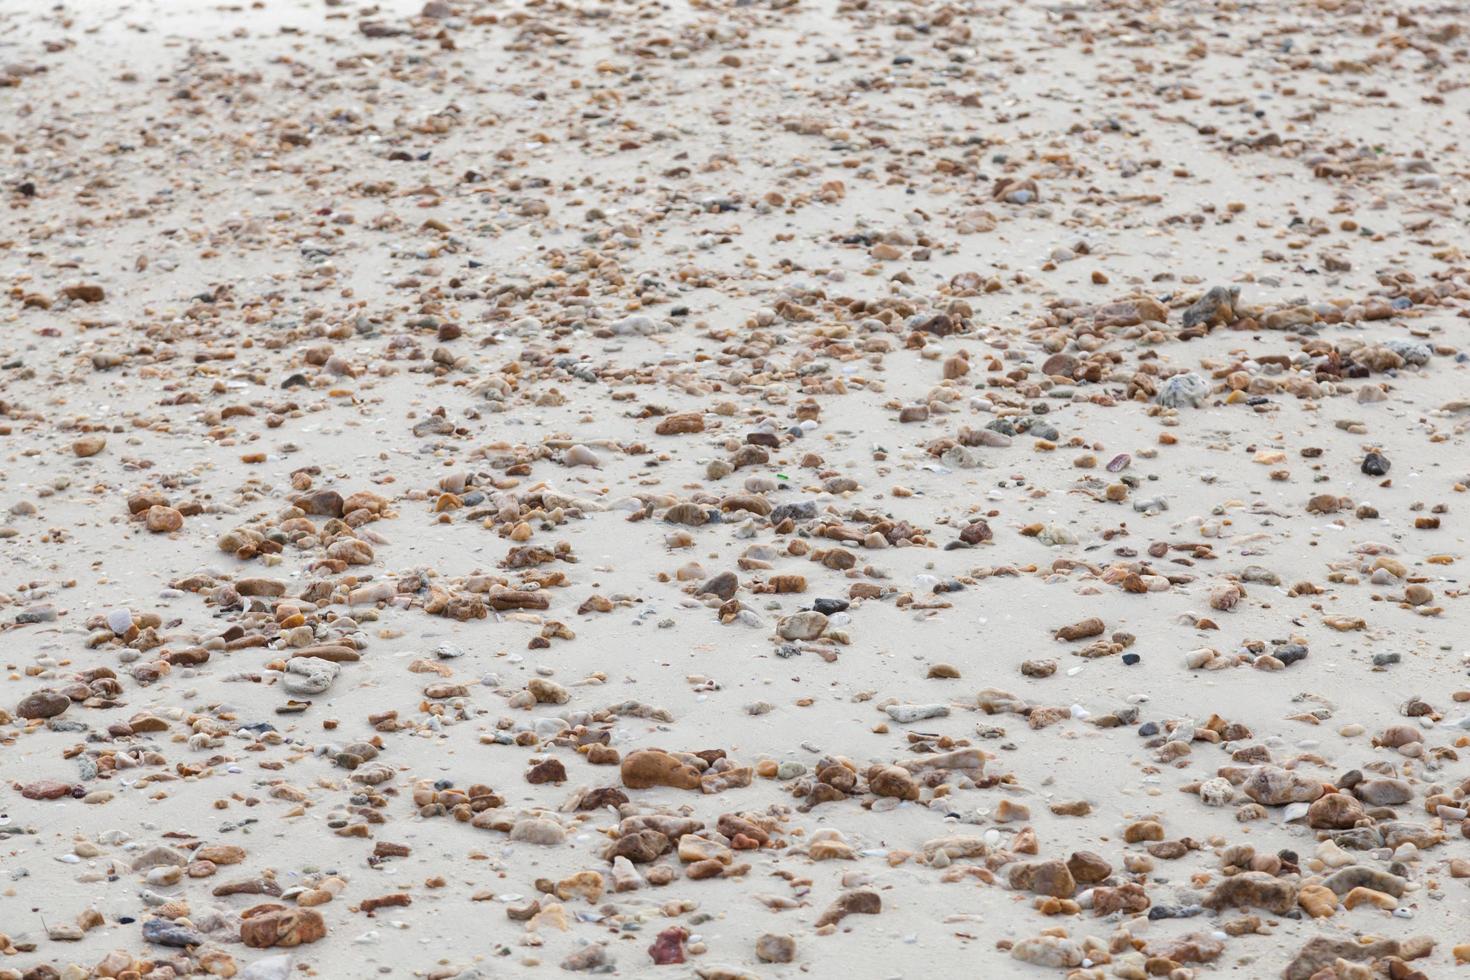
494 489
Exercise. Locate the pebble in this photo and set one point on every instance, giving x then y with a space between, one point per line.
1375 464
42 704
268 968
775 948
1184 390
906 714
89 445
306 676
166 933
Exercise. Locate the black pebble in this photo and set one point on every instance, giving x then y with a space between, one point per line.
1290 653
1148 729
829 606
1129 659
1375 464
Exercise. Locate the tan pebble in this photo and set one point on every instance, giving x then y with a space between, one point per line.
588 885
1317 901
1140 864
1361 895
162 520
1008 812
89 445
1071 808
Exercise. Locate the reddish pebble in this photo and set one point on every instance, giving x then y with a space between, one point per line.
46 789
668 948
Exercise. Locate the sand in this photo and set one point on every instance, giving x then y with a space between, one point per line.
408 292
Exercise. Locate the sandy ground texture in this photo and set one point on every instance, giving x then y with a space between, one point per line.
855 488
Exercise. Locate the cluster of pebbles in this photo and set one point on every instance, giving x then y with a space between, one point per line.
757 487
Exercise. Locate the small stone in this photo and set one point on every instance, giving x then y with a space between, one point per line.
162 520
1317 901
1183 390
1383 792
1194 947
668 946
1272 786
1009 812
775 948
268 968
1049 951
546 691
1052 878
225 854
1216 792
285 928
647 768
1322 952
306 676
1088 868
723 585
1143 830
1216 307
859 901
65 932
547 771
802 626
166 933
892 781
906 714
589 958
538 830
588 885
1335 811
1082 630
42 704
1346 879
1253 889
580 455
1367 896
89 445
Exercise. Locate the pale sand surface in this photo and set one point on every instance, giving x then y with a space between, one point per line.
435 256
